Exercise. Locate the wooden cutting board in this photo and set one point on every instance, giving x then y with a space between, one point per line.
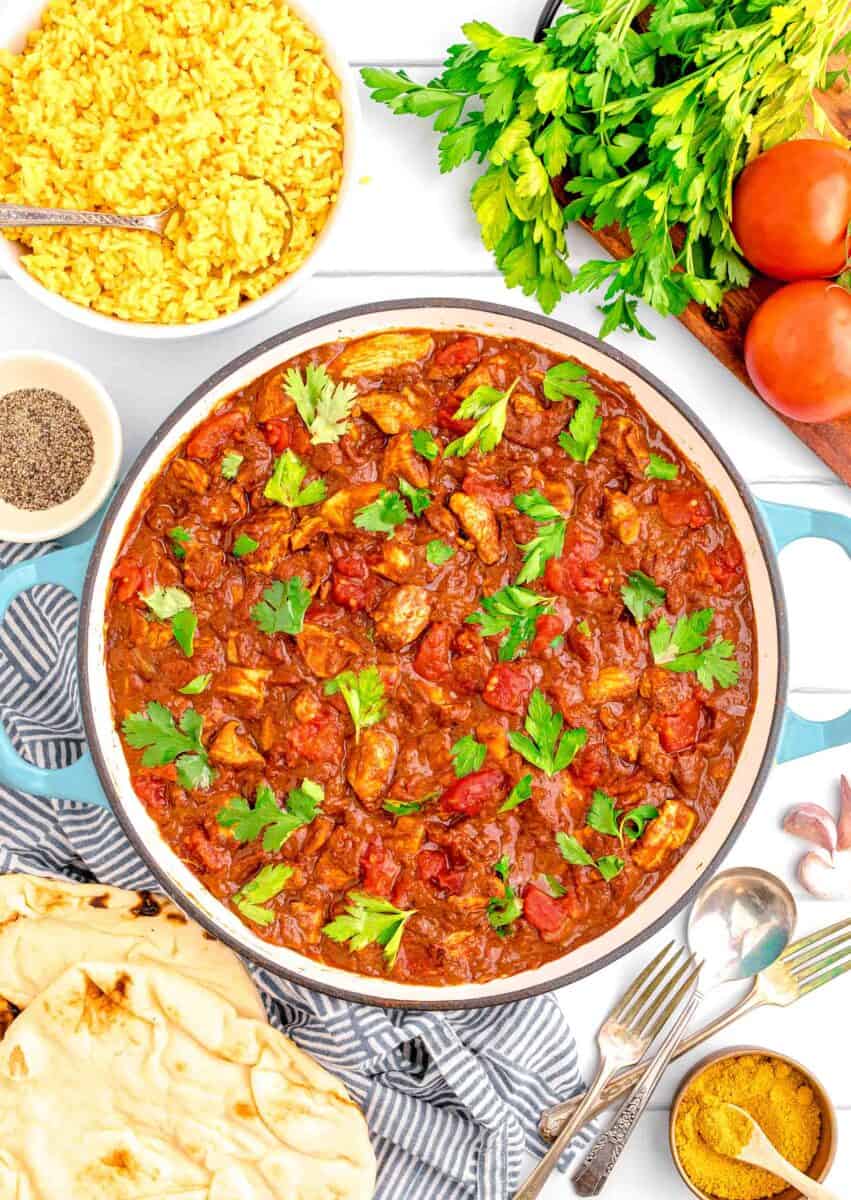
723 332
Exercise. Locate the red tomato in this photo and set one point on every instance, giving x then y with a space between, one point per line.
379 869
578 569
455 358
686 507
507 688
725 565
791 209
469 794
151 785
211 437
546 914
285 433
547 628
678 729
432 659
127 576
432 867
798 351
352 587
446 418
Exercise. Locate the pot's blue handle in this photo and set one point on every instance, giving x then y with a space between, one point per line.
80 782
787 524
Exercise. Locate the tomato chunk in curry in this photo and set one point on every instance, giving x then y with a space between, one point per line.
431 654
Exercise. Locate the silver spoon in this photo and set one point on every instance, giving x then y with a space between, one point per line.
740 923
22 216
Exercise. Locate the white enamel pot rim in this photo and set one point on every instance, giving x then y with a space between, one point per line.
749 775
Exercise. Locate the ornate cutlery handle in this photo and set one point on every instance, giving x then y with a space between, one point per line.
13 215
603 1156
553 1118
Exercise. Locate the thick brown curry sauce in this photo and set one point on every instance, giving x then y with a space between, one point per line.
653 737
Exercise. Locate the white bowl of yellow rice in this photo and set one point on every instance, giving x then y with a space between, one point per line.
131 106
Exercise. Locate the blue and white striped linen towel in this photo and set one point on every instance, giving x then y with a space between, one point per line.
452 1099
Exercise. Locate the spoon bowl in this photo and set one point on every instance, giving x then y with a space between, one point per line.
740 923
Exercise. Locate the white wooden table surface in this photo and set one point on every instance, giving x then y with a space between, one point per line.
410 233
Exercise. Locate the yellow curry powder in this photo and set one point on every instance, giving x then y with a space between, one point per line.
780 1101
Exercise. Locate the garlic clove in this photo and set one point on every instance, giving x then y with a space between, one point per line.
843 840
812 823
824 880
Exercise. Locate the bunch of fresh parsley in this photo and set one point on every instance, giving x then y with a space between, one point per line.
646 125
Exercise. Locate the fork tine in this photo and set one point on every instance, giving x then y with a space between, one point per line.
801 976
650 992
817 951
674 1002
632 991
795 948
825 978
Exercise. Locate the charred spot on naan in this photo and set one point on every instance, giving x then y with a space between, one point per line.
149 905
101 1008
8 1012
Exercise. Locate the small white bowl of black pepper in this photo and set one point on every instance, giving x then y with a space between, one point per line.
60 446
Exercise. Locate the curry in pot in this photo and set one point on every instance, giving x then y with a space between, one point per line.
431 655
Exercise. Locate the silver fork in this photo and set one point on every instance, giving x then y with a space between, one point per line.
804 965
627 1033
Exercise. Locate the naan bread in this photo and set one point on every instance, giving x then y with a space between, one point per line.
48 925
130 1082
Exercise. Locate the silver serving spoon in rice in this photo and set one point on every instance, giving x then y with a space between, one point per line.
20 216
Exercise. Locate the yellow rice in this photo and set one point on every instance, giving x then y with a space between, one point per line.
134 105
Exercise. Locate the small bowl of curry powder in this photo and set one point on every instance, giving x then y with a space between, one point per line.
784 1099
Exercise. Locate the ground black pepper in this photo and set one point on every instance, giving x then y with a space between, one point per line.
46 449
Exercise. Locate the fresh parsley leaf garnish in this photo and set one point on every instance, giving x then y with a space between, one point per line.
180 538
468 755
504 910
369 919
283 607
418 498
402 809
488 407
175 604
684 648
164 602
197 685
244 545
557 888
567 379
424 444
231 464
521 792
605 817
276 824
609 866
252 897
398 809
164 742
661 468
631 825
323 405
515 610
543 744
438 552
183 626
548 543
284 486
573 851
582 435
583 627
364 696
383 515
641 595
